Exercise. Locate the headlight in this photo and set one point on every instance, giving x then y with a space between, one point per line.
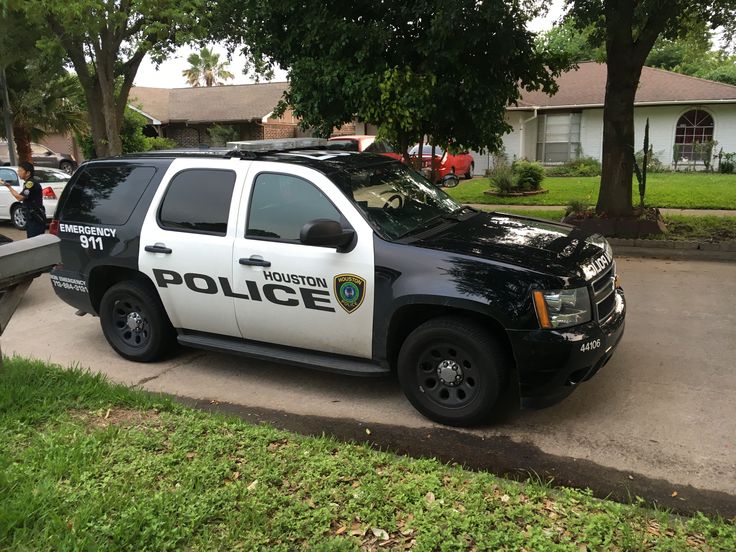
561 308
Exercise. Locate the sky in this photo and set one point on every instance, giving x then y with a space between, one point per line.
169 73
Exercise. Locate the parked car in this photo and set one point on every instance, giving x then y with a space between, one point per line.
341 261
367 143
52 183
42 157
444 161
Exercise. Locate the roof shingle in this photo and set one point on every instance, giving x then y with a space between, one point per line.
586 86
244 102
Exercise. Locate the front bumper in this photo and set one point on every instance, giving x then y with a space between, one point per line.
551 363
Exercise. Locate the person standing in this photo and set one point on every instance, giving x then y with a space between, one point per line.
32 199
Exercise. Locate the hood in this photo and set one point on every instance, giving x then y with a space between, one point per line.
542 246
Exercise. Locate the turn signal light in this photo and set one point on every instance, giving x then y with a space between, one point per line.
541 306
48 193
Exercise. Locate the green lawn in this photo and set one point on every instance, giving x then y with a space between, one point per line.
89 466
676 190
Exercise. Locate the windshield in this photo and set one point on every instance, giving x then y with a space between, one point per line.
396 200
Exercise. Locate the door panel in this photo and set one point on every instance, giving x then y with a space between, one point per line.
307 297
190 261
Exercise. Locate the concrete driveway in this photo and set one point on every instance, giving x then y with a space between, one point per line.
659 421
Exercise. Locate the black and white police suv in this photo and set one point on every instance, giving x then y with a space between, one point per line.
340 261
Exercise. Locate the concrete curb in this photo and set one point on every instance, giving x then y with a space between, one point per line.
671 249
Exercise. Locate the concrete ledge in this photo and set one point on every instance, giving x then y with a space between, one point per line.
672 249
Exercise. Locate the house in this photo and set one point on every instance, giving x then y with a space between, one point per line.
185 114
683 112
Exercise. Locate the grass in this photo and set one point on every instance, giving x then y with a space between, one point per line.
675 190
710 229
88 465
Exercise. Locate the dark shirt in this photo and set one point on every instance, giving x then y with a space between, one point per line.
32 196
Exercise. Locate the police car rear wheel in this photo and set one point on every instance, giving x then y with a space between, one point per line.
134 322
19 217
451 371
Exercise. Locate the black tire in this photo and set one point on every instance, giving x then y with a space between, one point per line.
456 347
468 175
134 302
18 216
67 167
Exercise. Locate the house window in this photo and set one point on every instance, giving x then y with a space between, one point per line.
694 128
558 137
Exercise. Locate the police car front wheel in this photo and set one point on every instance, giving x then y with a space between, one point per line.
134 322
451 370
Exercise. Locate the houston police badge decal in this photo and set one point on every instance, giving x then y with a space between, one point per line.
349 291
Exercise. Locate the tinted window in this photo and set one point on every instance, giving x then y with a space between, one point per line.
198 200
106 194
427 150
282 204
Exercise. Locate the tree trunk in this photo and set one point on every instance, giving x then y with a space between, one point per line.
618 141
23 144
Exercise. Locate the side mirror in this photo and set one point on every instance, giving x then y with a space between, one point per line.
327 233
48 153
450 181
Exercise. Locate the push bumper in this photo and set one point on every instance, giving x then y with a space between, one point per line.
551 363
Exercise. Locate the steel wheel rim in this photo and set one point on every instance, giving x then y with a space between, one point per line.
448 376
130 323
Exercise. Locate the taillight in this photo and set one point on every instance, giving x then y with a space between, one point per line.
54 227
48 193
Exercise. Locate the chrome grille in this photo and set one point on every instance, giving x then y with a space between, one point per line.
604 299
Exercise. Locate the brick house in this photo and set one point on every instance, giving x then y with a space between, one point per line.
185 114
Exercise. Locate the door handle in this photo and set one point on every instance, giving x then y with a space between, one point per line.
158 248
252 261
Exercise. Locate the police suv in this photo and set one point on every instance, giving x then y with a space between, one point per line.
346 262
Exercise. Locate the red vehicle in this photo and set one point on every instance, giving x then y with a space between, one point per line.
366 143
444 161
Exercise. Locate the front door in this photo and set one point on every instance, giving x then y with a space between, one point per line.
6 198
293 294
186 243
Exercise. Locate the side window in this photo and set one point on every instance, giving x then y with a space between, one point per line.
50 176
198 200
281 204
38 149
106 193
9 175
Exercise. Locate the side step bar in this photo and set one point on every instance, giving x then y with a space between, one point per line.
295 357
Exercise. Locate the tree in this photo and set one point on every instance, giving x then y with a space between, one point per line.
630 29
43 96
105 41
447 69
205 68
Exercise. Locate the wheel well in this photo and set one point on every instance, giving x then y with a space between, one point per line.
407 319
103 278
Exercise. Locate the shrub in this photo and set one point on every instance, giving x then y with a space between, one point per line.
529 174
728 163
504 179
575 207
158 143
584 166
654 164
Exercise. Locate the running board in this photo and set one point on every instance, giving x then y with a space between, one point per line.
274 353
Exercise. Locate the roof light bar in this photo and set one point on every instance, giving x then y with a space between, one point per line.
278 145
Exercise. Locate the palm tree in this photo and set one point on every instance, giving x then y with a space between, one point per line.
205 68
40 108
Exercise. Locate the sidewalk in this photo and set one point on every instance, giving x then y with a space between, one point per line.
688 212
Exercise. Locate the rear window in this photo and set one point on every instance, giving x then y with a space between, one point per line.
106 194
